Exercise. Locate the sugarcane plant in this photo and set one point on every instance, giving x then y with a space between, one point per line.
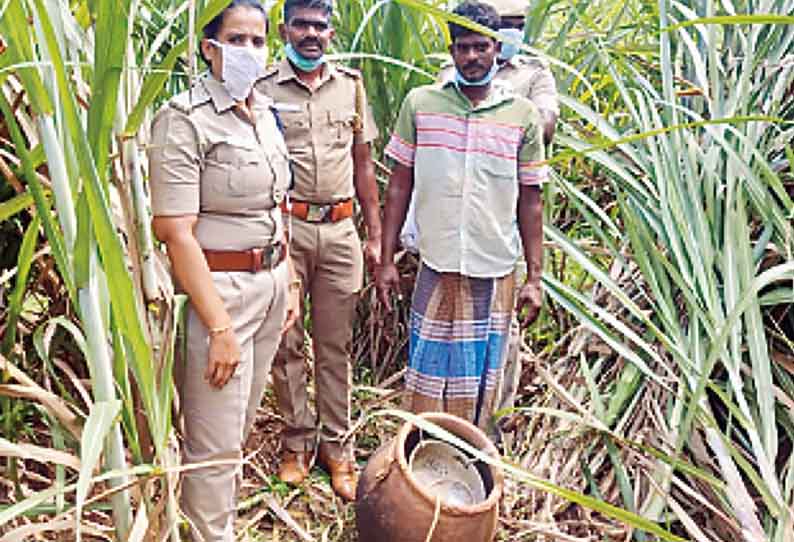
70 81
700 249
663 391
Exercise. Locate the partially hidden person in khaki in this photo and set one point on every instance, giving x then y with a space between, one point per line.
531 78
328 131
218 172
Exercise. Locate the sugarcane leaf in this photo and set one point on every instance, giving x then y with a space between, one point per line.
24 261
97 428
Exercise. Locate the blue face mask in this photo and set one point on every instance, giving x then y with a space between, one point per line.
460 80
301 62
509 50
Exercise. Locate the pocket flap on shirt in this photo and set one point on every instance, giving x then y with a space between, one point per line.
235 155
343 117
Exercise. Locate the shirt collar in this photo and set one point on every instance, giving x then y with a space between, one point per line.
512 62
499 93
286 73
220 97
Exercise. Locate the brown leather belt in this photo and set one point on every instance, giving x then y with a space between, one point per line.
252 260
320 212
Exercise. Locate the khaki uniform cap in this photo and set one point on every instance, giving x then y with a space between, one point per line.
510 8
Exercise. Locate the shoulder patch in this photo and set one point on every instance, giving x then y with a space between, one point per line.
352 72
186 101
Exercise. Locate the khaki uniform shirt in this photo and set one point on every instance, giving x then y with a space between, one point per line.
320 126
206 160
530 77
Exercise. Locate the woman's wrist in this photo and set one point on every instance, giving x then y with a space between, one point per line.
215 332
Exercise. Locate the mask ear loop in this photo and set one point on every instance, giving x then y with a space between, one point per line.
215 43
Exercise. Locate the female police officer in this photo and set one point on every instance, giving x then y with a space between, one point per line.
218 172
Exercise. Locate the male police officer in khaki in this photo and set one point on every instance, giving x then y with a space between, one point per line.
328 131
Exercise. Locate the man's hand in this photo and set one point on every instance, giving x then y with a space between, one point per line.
293 308
387 280
372 253
529 300
224 356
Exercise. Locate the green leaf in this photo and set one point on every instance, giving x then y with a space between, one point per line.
54 235
97 428
755 18
15 27
24 261
111 32
16 205
124 303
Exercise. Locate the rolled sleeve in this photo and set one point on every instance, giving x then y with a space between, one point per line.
402 145
543 92
174 165
532 170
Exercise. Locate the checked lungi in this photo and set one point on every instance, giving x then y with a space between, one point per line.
459 337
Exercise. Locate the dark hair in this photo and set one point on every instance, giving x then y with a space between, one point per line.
478 12
211 29
289 5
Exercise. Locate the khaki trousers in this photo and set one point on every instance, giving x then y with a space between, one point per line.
217 422
329 261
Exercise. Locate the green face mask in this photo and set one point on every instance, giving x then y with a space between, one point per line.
301 62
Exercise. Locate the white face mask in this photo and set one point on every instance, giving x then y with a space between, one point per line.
242 66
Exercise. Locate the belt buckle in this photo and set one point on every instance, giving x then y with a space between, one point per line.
272 256
316 212
257 259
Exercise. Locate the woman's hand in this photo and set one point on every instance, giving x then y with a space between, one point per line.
224 356
192 272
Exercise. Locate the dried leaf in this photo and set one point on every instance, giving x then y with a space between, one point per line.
38 453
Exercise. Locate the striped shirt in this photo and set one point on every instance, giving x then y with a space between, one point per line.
468 163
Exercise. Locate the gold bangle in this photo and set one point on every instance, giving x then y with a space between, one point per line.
218 330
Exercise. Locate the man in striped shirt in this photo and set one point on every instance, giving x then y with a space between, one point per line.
472 152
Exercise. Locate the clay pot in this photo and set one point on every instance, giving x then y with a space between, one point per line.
393 507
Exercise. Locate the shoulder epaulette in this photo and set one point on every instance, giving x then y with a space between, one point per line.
186 101
270 71
533 61
352 72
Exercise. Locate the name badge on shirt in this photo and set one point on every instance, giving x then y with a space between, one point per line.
283 107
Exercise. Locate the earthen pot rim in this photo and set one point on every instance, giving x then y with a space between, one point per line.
445 421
